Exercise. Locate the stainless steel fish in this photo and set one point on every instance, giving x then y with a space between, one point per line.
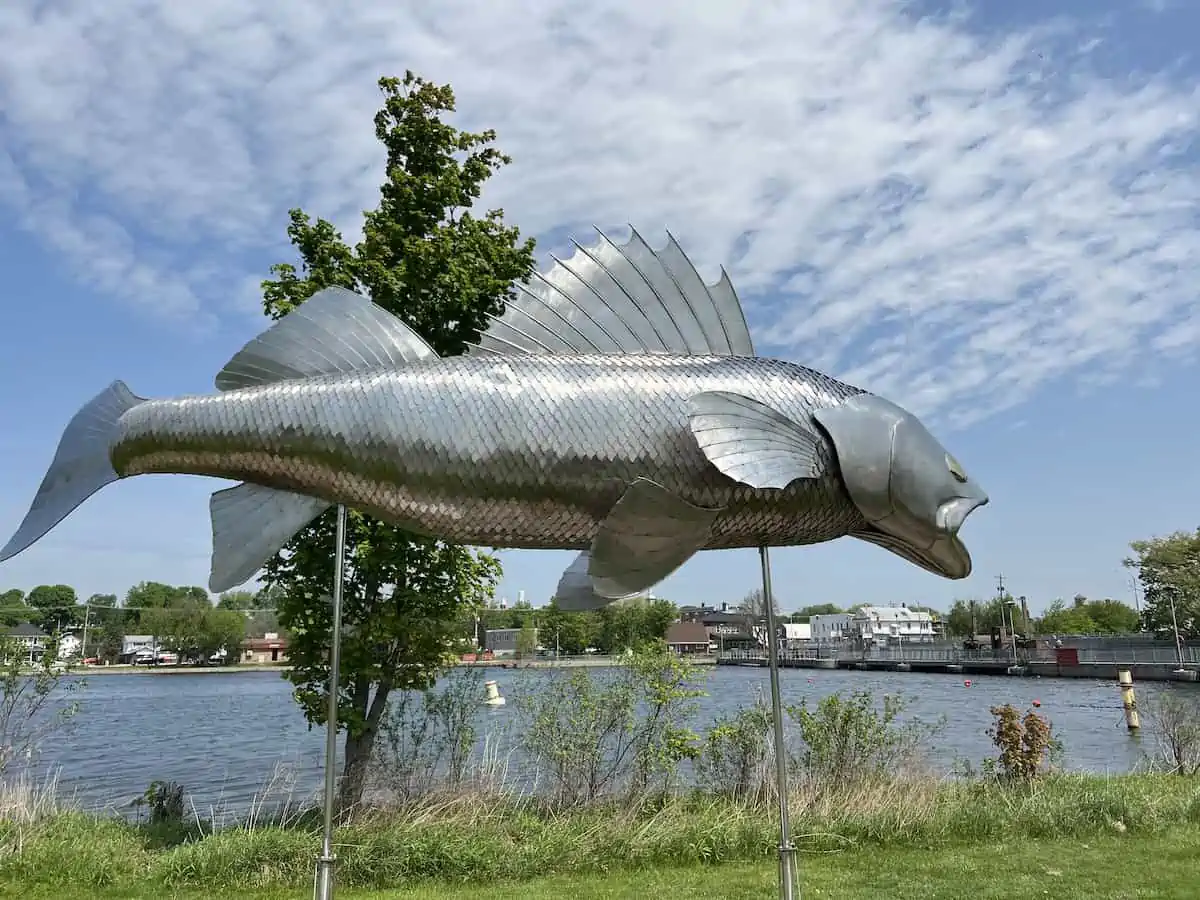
616 408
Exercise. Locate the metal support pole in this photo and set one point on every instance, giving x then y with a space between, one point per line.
787 850
1175 626
324 881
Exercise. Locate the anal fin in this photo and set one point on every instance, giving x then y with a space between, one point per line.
250 524
649 533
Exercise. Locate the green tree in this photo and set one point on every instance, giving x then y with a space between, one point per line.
34 702
1085 616
13 610
427 259
1169 570
806 613
156 595
221 629
56 607
753 603
260 609
239 600
527 641
1114 617
969 617
96 613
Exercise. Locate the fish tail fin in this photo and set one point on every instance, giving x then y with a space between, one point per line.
81 467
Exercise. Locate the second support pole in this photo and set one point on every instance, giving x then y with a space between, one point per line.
787 850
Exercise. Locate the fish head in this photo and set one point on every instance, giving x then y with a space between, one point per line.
913 493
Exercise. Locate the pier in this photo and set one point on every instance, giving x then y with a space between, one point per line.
1145 663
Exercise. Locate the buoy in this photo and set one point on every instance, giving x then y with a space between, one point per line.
493 694
967 683
1125 680
1037 704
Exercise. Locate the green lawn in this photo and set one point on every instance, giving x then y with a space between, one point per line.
1107 868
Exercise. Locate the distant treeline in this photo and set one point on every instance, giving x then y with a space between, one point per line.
185 619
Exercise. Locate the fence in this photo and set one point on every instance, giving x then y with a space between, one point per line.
1131 655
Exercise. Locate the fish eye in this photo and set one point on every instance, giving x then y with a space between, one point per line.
955 469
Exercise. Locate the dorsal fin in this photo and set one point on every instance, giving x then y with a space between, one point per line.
334 331
617 299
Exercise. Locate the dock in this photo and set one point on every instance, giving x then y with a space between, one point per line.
1146 663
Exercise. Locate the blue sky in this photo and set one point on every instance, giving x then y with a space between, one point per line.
991 218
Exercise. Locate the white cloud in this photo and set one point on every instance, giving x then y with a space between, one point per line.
949 220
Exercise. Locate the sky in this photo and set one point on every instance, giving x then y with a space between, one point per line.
988 213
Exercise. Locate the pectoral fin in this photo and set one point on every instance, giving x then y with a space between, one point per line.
250 524
752 443
649 533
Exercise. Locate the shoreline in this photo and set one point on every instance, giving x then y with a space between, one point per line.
86 671
594 662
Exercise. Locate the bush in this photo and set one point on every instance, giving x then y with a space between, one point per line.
1174 719
427 738
848 740
624 731
1027 746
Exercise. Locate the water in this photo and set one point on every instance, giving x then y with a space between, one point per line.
225 737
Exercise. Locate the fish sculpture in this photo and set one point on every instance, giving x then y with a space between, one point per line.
616 408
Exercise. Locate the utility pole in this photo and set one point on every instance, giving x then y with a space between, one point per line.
1137 599
87 613
1000 596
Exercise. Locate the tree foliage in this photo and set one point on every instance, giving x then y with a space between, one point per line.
427 259
1169 569
56 605
1085 616
35 701
754 603
806 613
629 624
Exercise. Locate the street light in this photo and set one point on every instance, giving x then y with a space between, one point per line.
1012 621
1171 592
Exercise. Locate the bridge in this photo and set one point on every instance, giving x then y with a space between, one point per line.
1147 663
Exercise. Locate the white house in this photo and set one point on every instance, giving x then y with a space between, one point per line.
28 640
796 634
884 625
831 628
69 646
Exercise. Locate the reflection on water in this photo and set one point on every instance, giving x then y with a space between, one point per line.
224 737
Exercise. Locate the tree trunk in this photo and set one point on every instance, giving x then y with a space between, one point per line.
360 747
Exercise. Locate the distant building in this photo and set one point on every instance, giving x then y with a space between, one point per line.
268 650
132 643
796 635
892 625
69 646
830 628
28 640
503 641
688 638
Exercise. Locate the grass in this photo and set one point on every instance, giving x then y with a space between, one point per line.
1114 867
923 829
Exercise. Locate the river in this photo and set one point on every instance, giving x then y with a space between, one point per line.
228 738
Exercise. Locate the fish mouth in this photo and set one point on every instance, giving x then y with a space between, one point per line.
947 555
950 516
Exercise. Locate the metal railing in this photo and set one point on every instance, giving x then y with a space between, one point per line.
1158 655
1142 656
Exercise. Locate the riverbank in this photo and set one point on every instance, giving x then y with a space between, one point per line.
950 833
1105 868
595 661
89 671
